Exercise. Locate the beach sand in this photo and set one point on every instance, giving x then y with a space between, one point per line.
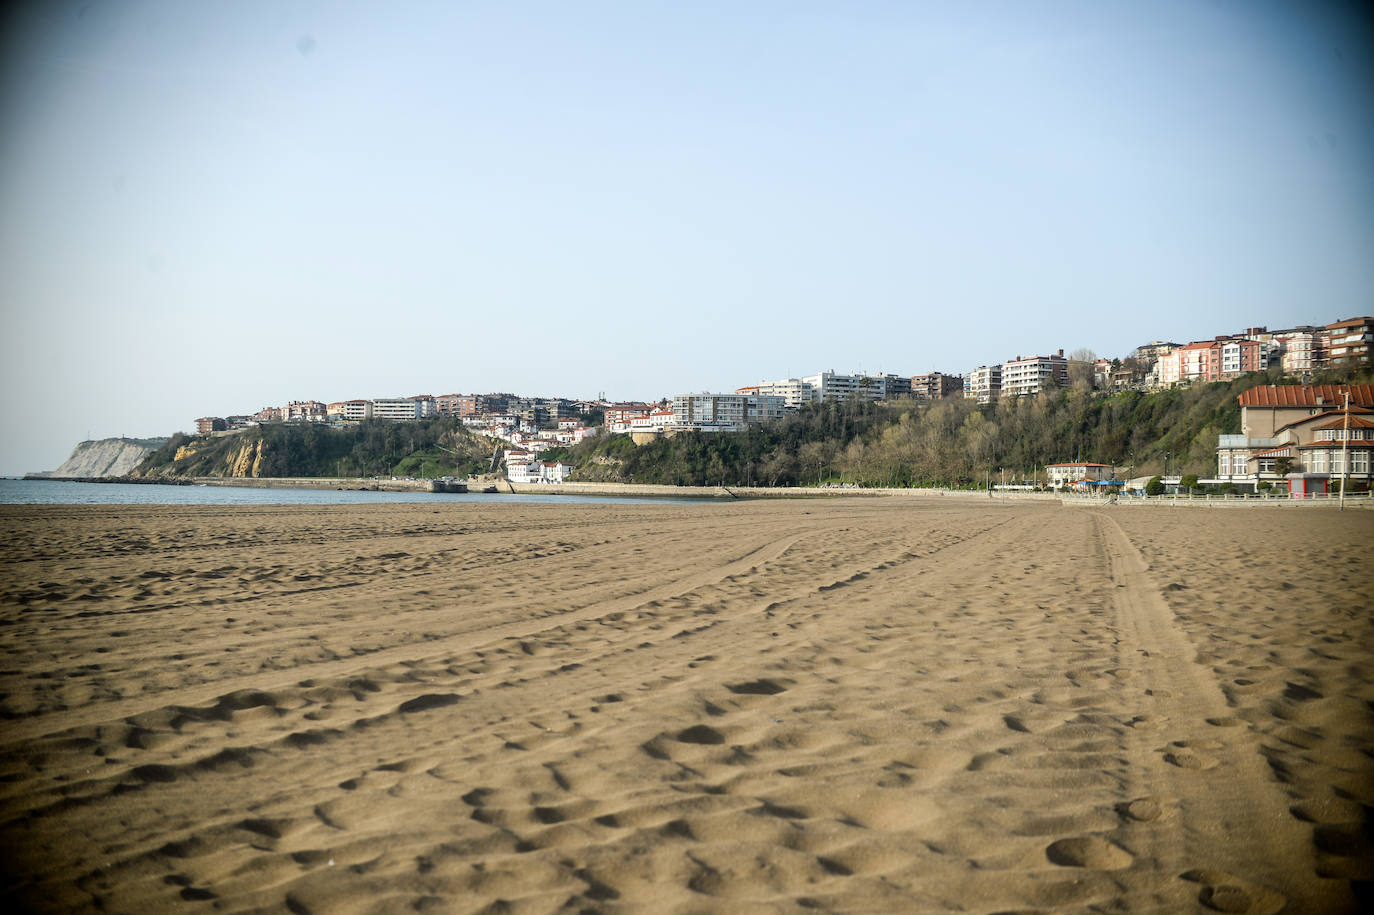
882 704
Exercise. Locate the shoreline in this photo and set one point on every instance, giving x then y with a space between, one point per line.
724 493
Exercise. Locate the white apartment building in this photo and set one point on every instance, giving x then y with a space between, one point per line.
793 391
984 384
1245 356
724 412
1032 374
1301 349
353 410
395 408
839 388
709 410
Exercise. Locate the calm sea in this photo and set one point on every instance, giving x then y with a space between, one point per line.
53 492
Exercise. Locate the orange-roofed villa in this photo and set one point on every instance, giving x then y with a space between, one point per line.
1301 437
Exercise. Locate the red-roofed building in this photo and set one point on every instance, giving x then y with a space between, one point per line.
1221 359
1296 432
1075 473
1265 408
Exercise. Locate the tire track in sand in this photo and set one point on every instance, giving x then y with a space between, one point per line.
1191 757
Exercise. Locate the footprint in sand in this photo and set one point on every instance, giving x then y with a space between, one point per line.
1142 809
761 687
1092 852
701 734
1222 892
1186 759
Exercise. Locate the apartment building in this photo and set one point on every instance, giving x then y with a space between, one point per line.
1301 349
839 388
984 384
1221 359
1241 356
1352 341
207 424
725 412
305 411
895 386
397 409
1150 352
933 385
1032 374
793 391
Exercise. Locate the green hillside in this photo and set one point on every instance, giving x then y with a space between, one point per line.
950 442
434 447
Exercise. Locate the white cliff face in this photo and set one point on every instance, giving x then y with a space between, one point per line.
107 457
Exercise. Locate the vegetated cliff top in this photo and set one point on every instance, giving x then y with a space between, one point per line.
433 447
948 442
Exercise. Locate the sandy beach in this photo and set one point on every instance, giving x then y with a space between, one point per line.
861 705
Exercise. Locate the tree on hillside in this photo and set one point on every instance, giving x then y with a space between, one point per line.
1081 368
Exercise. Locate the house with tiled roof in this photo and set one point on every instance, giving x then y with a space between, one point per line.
1076 473
1296 433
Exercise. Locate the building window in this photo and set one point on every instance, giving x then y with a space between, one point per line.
1266 465
1359 462
1319 462
1224 467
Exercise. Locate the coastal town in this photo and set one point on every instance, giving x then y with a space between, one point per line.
1299 436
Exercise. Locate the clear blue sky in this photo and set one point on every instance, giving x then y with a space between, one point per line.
209 207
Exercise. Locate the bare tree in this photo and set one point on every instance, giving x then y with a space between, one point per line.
1081 368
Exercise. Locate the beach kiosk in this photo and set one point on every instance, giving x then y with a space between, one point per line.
1306 485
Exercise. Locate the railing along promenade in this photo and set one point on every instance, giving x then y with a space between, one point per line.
1362 500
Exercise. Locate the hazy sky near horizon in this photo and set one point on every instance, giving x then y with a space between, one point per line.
210 207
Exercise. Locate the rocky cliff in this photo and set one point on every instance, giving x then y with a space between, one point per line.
106 457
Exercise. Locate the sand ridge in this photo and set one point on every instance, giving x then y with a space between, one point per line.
855 705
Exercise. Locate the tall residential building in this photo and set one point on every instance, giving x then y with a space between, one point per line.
895 386
309 411
984 384
1151 351
933 385
1241 356
354 410
793 390
395 408
1352 341
839 388
425 405
1221 359
1032 374
1301 349
725 412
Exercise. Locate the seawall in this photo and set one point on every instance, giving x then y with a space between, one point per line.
455 486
